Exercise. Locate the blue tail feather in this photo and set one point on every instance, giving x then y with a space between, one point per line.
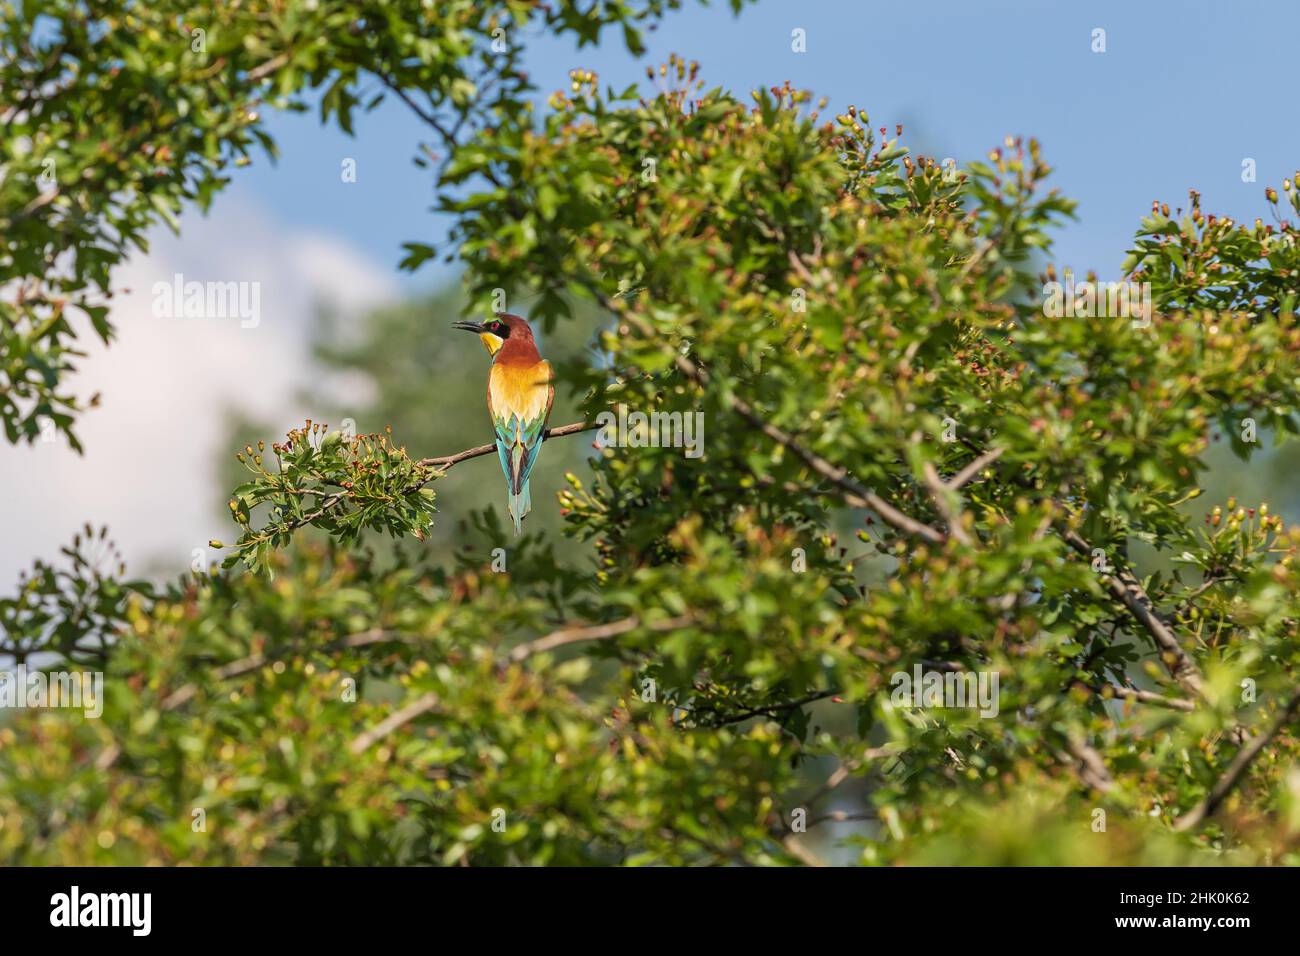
520 505
517 462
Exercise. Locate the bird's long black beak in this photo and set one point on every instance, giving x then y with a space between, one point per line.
469 326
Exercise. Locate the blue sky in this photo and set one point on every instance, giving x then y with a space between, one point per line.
1185 90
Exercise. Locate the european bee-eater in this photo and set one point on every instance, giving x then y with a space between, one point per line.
519 397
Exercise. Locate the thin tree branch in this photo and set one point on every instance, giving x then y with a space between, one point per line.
840 816
237 668
980 252
415 107
1141 696
848 767
801 852
939 493
1129 591
263 70
1090 767
771 710
594 632
421 704
858 495
447 461
974 468
1236 770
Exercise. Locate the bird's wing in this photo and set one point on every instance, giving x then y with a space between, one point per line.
520 400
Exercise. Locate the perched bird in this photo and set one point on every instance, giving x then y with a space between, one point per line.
519 397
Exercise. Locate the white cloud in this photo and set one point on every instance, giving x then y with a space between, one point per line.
151 448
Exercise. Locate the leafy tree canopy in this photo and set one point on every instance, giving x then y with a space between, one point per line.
865 335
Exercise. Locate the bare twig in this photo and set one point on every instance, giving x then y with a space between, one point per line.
980 252
594 632
801 852
800 268
263 70
415 108
848 767
421 704
107 757
771 710
1142 696
939 494
444 462
974 468
840 816
239 668
1091 768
